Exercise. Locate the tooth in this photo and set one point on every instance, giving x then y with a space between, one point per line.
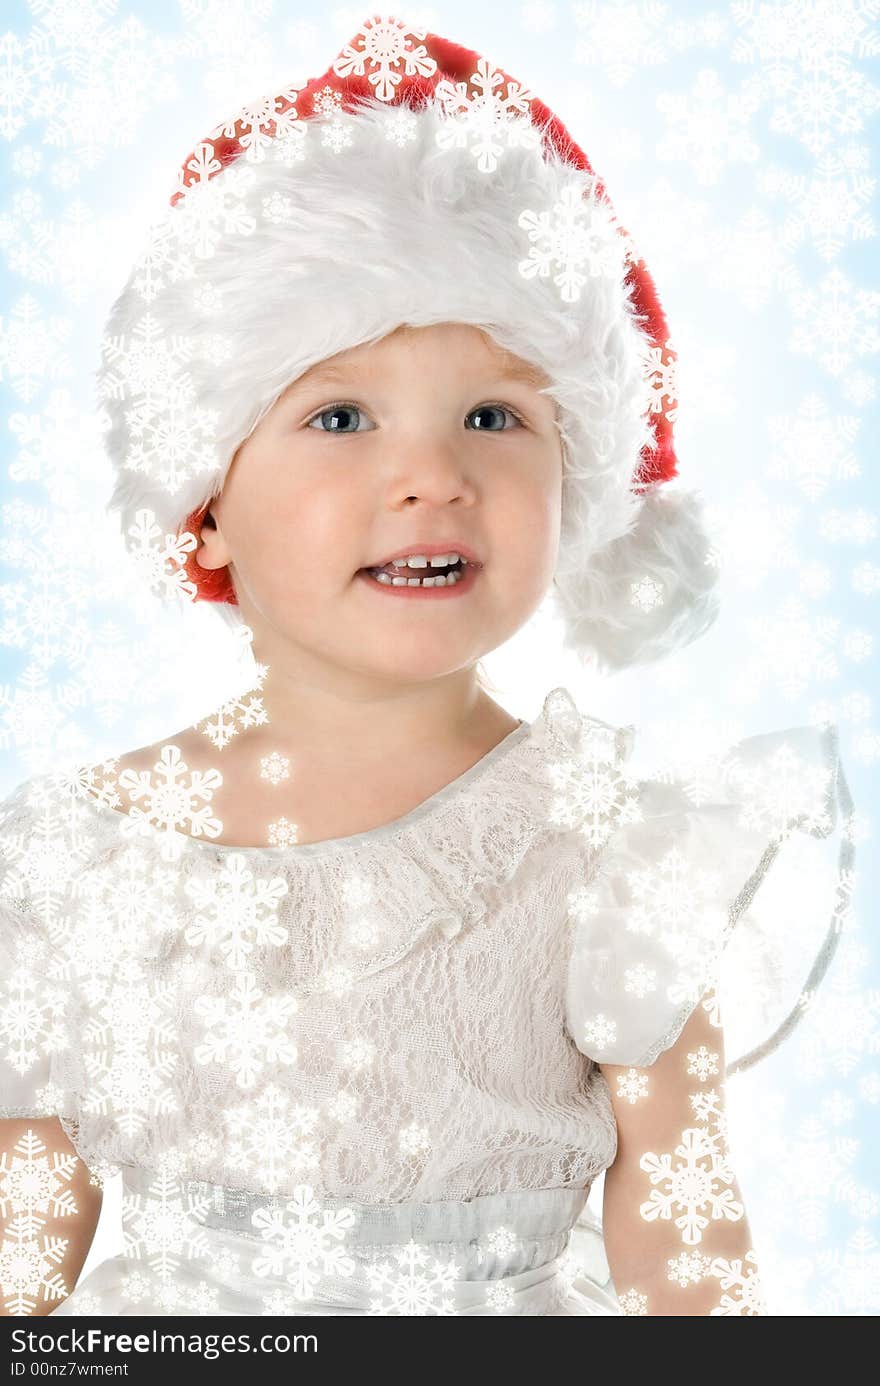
417 560
440 560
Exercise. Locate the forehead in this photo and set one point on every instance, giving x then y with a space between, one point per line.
365 363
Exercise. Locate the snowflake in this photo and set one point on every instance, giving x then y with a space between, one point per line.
247 1026
826 202
836 321
327 102
709 127
702 1063
483 118
621 41
707 1107
688 1268
365 925
598 1032
296 1245
632 1085
31 1187
580 232
254 136
270 1138
131 1049
234 716
238 912
850 1279
161 1229
26 1268
384 44
594 794
631 1302
691 1185
280 1304
412 1283
151 553
661 378
164 260
121 904
174 437
274 767
207 208
30 348
27 66
749 1300
148 364
283 833
415 1140
640 980
31 1019
646 594
170 803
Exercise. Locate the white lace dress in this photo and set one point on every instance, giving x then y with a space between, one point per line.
362 1075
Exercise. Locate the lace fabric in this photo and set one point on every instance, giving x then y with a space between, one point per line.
344 1012
414 1015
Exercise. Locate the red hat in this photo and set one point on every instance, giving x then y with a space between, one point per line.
412 182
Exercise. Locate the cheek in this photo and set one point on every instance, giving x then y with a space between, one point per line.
307 524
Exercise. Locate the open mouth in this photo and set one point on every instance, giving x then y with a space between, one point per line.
444 580
445 575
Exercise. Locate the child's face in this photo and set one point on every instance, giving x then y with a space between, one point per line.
428 454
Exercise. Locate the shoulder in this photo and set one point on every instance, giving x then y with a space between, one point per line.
172 759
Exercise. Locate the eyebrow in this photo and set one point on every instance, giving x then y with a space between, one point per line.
515 370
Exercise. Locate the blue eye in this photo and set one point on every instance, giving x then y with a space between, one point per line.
347 410
499 409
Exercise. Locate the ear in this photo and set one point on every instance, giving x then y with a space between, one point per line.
212 551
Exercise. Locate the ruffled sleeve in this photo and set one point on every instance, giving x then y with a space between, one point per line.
33 996
734 878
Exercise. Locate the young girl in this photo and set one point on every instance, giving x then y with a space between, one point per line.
362 982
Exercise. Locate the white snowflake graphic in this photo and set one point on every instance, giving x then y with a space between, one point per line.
32 1018
27 1274
661 379
246 1030
206 210
484 120
377 51
688 1268
255 120
274 767
580 237
632 1085
131 1049
412 1282
171 802
159 558
691 1184
595 794
303 1242
31 1188
599 1032
272 1139
748 1299
235 716
238 912
163 1228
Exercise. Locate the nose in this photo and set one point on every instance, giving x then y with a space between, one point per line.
435 473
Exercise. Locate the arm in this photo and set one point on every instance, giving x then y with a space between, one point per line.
660 1136
49 1209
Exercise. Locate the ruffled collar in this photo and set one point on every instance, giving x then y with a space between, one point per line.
437 867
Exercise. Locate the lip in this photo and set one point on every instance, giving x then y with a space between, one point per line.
425 594
430 551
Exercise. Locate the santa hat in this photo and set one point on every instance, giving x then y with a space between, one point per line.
412 182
